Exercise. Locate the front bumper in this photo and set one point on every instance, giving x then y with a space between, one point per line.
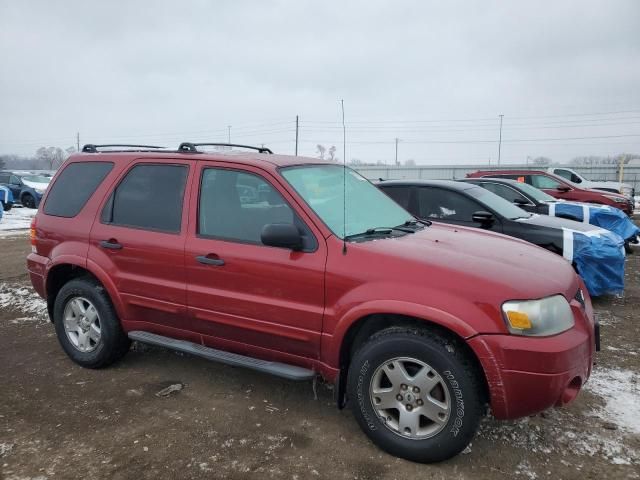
527 375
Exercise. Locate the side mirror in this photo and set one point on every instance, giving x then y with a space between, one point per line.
483 218
563 188
520 201
284 235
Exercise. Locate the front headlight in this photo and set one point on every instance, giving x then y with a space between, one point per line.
616 199
538 318
39 190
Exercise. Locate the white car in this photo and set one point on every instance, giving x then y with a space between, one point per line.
574 177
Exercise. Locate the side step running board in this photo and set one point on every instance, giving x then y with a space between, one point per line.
283 370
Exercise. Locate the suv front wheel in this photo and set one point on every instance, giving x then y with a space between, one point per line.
87 326
415 394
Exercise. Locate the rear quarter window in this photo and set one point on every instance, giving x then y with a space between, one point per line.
73 188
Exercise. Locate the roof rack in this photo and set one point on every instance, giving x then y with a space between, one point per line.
91 148
193 147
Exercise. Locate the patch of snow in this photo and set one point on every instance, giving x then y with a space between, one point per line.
22 299
621 391
17 220
560 434
523 468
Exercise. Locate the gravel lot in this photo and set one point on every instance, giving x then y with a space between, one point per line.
58 420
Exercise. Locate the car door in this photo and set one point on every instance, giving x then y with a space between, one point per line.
244 296
16 186
552 186
139 237
511 195
450 206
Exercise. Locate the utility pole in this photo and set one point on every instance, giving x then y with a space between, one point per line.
78 141
500 140
297 127
344 140
397 151
228 133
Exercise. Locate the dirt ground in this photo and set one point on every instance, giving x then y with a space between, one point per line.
58 420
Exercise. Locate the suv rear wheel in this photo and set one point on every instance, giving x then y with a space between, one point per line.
415 394
28 200
87 326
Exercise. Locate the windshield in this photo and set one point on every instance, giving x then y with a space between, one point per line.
497 204
533 192
36 178
321 186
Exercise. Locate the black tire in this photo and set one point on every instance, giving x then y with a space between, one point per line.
28 200
627 248
7 206
113 343
445 357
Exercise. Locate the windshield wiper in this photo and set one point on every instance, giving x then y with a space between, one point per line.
417 221
379 231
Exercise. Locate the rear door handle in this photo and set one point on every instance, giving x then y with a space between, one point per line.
209 260
110 244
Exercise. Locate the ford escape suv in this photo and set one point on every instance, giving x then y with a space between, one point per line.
298 267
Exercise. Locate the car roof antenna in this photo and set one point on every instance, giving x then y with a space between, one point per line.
344 183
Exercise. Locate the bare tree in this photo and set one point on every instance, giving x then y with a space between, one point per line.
51 156
320 149
332 154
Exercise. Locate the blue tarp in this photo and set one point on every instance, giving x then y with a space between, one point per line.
610 218
5 197
599 259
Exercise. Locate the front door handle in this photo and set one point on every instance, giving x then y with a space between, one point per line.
210 260
111 244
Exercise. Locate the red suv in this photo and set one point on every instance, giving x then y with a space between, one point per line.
560 187
248 259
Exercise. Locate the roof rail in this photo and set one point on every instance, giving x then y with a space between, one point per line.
91 148
192 147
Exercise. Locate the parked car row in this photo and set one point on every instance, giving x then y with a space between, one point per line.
534 200
577 179
26 188
599 258
561 188
299 267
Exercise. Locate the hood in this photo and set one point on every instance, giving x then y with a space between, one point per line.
37 185
604 192
468 260
556 222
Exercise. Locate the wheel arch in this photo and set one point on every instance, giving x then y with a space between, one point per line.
370 324
60 274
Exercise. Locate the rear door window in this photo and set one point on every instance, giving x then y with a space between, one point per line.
150 197
440 204
400 194
504 191
74 186
543 182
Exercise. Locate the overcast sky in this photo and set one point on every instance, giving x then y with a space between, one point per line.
436 75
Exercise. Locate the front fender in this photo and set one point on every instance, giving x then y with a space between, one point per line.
332 344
